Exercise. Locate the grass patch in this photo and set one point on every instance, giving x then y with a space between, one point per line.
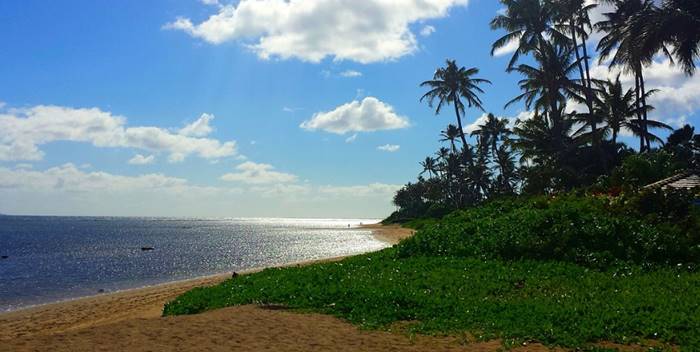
556 303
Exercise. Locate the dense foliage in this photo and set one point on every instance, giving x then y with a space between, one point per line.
568 138
649 228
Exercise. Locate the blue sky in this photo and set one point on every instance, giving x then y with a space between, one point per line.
311 107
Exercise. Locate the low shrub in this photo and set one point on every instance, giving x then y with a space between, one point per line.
645 229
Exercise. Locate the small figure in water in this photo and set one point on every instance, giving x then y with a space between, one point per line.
348 225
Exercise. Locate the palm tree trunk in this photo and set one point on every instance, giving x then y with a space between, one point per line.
584 81
587 81
459 124
644 107
614 136
637 103
585 60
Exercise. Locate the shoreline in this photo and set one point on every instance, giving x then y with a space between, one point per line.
382 233
135 303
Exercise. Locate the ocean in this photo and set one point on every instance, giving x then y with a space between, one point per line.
49 259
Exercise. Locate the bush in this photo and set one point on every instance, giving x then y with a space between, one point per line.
593 231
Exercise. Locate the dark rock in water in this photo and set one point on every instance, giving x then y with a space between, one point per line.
234 275
101 290
147 249
4 256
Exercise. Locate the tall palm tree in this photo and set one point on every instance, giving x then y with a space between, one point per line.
624 45
527 21
572 17
618 108
451 84
547 87
451 133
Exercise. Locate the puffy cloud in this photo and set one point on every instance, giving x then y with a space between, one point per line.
426 31
351 139
70 178
24 130
367 115
351 73
390 148
254 173
366 31
198 128
139 159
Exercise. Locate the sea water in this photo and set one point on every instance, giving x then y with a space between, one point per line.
50 259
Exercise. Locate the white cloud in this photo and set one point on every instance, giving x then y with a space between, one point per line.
366 31
426 31
70 178
139 159
367 115
509 48
351 73
390 148
24 166
373 189
351 139
254 173
210 2
24 130
198 128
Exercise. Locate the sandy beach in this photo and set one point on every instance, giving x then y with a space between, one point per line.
131 321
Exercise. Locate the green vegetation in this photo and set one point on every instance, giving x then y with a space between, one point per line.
550 302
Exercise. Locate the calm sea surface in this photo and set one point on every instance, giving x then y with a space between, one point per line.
56 258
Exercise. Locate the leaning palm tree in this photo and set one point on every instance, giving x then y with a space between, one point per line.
527 21
451 133
449 85
618 109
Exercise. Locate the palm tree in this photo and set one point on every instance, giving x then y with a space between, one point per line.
507 177
429 166
677 24
449 85
451 133
492 131
527 21
618 108
573 18
547 87
623 42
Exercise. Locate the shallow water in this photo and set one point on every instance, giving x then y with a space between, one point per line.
56 258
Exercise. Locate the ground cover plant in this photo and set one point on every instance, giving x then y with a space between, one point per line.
554 303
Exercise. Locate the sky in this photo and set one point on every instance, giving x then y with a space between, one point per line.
251 108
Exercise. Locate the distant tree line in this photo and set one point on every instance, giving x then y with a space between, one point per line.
558 149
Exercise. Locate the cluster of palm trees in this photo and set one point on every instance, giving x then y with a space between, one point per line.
560 146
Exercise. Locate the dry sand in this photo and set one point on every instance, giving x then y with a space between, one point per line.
131 321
